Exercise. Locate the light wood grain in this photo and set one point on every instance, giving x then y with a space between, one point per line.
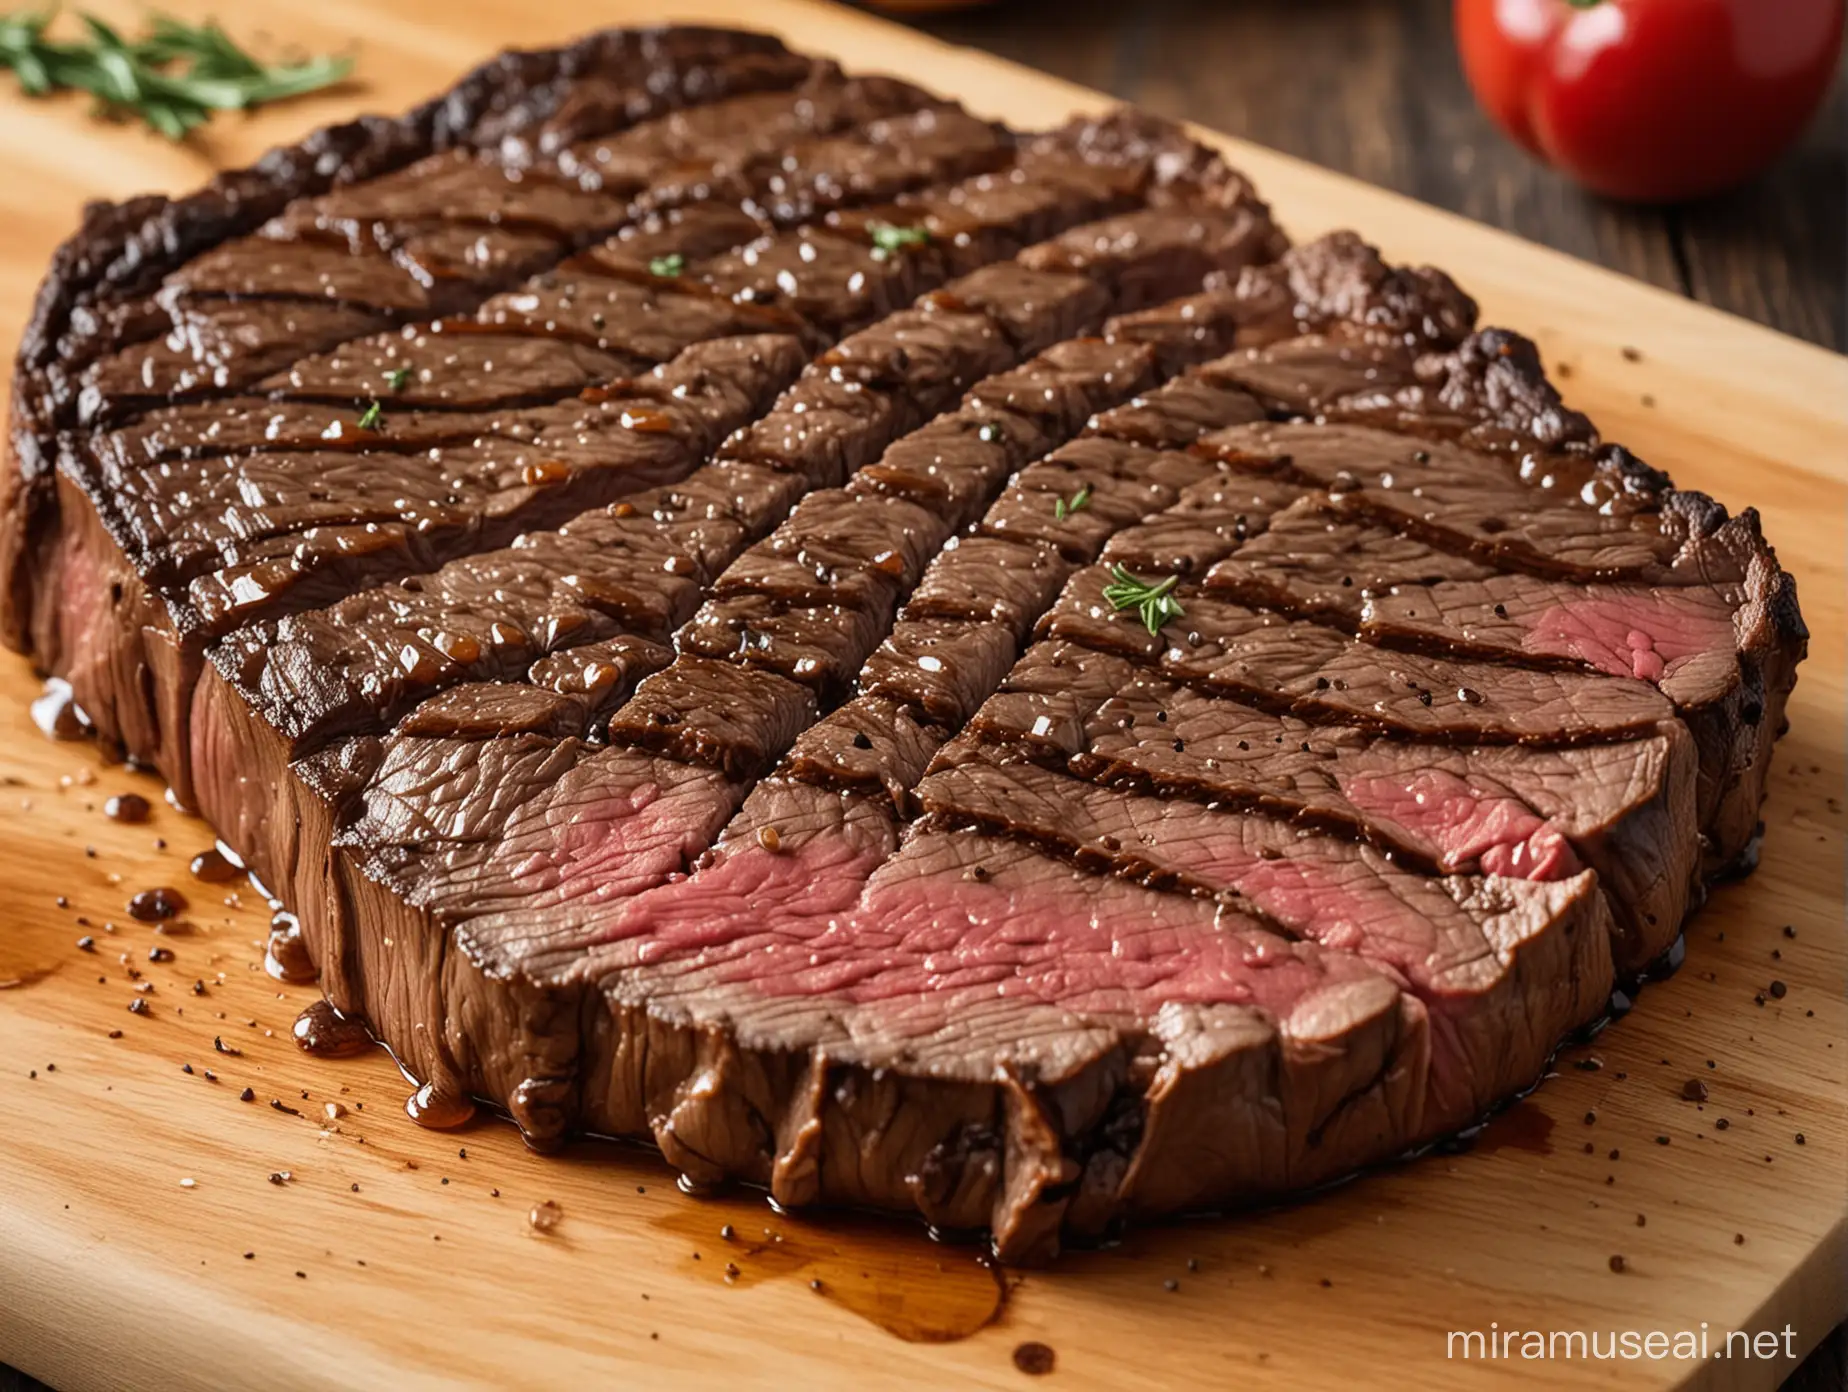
114 1275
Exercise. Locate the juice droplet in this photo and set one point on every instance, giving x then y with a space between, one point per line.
156 905
286 956
438 1108
323 1031
213 867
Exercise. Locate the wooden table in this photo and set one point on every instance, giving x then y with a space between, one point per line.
1375 93
1372 88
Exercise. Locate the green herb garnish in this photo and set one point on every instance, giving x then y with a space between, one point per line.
398 378
888 239
1063 508
670 265
172 80
1153 600
373 417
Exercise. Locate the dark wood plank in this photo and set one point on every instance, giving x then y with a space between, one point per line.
1373 88
1777 250
1825 1370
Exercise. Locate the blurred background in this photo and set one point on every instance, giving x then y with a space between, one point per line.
1375 88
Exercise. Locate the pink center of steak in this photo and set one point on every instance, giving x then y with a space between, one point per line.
624 837
949 921
1645 635
1468 826
1040 933
752 900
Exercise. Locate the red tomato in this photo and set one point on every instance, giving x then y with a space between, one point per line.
1651 99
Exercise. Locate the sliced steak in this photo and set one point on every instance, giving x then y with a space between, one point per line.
1295 666
912 665
1505 968
1620 808
1013 994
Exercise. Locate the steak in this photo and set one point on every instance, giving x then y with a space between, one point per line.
909 663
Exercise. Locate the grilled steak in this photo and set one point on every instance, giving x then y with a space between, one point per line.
909 663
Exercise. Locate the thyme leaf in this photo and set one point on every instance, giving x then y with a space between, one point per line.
398 378
670 265
373 417
1153 600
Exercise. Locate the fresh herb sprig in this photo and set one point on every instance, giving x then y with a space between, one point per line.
373 417
1063 508
888 238
171 80
1153 600
673 264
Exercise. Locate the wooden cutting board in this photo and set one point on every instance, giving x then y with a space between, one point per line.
156 1231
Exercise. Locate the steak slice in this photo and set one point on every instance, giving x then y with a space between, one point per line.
1504 968
1292 665
1503 810
819 977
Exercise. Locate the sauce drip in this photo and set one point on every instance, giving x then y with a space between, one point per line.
324 1032
1521 1127
889 1274
213 867
285 956
439 1108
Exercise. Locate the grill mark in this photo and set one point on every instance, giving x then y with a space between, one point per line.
1371 490
517 428
730 797
623 211
479 656
1103 720
893 571
461 498
882 584
1404 580
666 243
1260 659
714 78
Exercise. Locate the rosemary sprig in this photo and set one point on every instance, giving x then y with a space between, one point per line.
1153 600
398 378
172 80
373 417
670 265
1063 508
